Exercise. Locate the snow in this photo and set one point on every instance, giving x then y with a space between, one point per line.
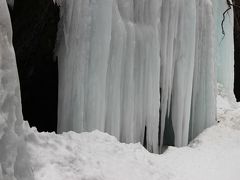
14 162
214 154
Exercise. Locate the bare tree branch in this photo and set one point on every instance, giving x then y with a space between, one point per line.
230 5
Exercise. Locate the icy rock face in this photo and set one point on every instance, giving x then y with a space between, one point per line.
13 157
225 47
117 57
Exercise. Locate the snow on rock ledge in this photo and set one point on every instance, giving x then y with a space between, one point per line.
14 163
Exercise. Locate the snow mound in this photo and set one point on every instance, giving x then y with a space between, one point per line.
213 155
14 163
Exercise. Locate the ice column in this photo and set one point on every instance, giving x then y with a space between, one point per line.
13 156
109 68
83 63
117 57
177 52
203 108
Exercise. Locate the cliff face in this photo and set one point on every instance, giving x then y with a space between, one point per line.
237 51
34 33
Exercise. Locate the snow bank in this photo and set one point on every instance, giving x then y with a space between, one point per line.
13 155
214 155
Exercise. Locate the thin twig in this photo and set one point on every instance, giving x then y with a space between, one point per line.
230 5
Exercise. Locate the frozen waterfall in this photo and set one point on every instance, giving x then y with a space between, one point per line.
139 70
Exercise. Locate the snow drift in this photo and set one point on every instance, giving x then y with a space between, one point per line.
13 155
213 155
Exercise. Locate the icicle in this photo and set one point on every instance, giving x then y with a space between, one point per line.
116 57
203 112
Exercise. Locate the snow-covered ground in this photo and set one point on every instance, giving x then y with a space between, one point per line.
213 155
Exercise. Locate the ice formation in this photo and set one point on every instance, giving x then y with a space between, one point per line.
13 156
139 69
225 48
109 69
204 82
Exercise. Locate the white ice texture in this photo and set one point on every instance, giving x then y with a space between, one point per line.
127 66
14 163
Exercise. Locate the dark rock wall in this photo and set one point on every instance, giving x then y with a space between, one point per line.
34 34
237 51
